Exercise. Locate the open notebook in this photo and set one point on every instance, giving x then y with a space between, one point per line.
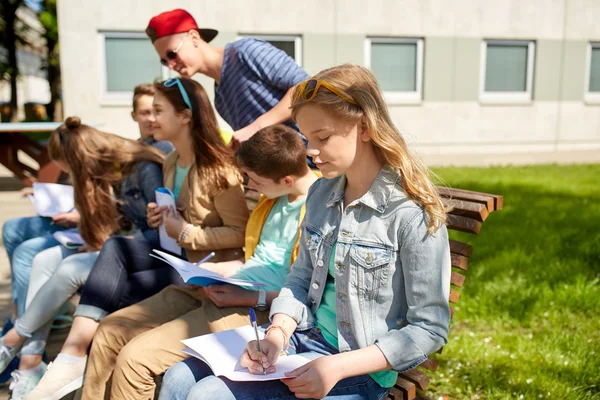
221 351
196 275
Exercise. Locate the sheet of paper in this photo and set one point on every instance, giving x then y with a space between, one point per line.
164 197
69 239
50 199
196 275
222 351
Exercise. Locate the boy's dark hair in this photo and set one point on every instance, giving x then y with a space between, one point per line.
273 152
143 89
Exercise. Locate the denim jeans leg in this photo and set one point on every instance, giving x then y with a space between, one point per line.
17 230
21 266
67 279
310 343
180 378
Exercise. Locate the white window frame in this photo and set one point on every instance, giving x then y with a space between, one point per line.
590 97
118 98
297 39
398 97
507 97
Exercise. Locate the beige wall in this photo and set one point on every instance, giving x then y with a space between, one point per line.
450 121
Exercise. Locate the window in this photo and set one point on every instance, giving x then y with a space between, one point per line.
398 66
127 59
506 71
592 86
290 44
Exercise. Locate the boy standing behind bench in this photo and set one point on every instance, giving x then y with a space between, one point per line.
140 342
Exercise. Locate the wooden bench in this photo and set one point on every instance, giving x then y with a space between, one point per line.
468 211
13 141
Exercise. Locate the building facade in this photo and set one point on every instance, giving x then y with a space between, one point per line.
467 81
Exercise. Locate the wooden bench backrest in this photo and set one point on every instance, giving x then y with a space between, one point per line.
469 211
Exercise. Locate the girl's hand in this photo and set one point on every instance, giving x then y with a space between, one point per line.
315 379
67 220
231 296
174 223
154 215
258 362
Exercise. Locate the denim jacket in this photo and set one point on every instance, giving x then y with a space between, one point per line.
137 190
392 277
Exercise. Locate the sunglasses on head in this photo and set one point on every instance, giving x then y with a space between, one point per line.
176 81
172 54
307 91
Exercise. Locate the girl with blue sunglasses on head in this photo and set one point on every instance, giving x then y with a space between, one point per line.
211 216
367 296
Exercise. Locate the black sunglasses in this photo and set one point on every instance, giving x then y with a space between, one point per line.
172 54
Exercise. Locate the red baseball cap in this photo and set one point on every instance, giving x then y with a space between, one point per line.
176 21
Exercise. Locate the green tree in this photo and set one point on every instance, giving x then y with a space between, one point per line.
9 69
47 17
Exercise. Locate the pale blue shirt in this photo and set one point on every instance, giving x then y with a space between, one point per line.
270 263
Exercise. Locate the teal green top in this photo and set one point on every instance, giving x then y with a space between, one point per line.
270 263
180 174
327 323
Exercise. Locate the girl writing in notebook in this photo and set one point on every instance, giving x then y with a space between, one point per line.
100 165
211 216
368 294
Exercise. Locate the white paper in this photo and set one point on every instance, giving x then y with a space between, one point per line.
164 197
196 275
69 239
50 199
221 351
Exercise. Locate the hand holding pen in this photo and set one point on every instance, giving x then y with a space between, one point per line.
255 326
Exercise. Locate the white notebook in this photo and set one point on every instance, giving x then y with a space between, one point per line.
164 197
50 199
69 239
221 351
196 275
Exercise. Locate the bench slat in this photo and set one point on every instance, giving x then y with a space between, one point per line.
469 209
459 261
463 224
460 194
430 364
454 295
417 377
457 279
407 389
461 248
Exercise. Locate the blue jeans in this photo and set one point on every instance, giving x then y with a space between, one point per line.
193 379
23 238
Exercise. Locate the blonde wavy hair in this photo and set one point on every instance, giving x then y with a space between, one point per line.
360 84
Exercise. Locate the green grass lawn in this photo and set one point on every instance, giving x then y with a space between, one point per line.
528 321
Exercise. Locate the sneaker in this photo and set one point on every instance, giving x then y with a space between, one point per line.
7 354
23 382
14 364
61 379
